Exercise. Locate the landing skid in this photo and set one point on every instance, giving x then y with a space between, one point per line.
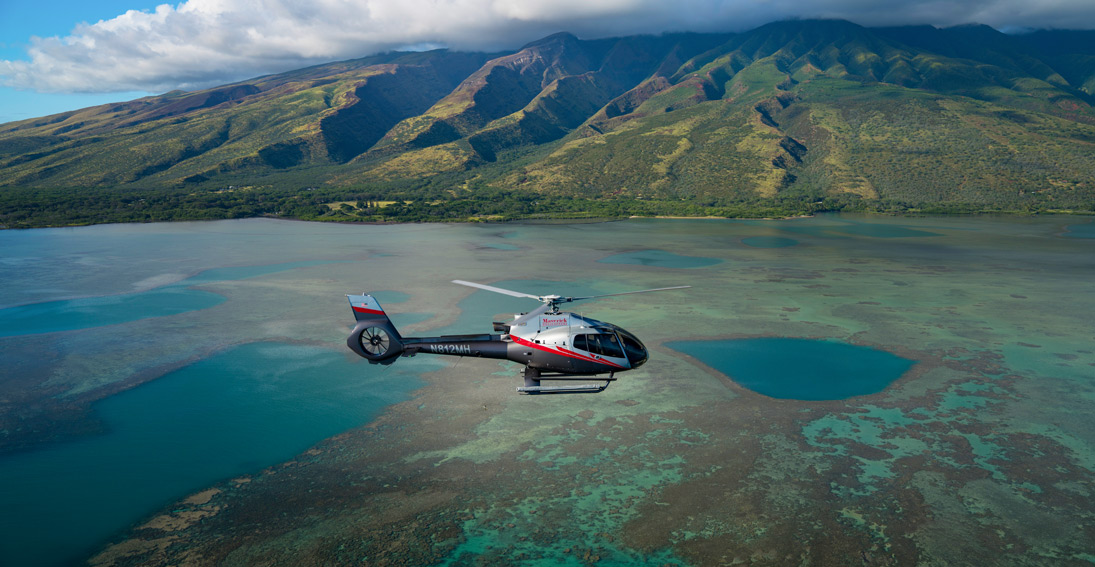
567 389
532 385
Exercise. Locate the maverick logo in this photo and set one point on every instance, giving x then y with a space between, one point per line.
553 321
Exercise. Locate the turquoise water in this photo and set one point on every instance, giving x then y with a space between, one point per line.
799 369
245 272
231 414
87 312
661 259
994 310
1080 230
846 227
878 230
769 242
499 246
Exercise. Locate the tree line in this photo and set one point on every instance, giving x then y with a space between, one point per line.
33 208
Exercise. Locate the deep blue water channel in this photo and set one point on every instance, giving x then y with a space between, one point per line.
799 369
231 414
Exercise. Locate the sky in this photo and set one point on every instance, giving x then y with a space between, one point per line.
58 55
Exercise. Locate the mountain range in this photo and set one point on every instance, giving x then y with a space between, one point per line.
913 118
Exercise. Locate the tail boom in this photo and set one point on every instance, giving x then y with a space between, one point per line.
484 346
376 339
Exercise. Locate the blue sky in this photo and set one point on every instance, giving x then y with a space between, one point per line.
21 19
58 55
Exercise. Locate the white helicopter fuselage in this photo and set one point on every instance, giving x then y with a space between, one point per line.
569 343
551 344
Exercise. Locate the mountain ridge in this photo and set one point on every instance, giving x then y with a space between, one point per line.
803 110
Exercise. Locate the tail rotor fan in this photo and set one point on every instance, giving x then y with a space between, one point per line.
375 341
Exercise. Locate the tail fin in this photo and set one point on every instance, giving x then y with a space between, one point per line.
366 307
374 337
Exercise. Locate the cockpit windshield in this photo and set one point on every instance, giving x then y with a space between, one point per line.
614 342
636 352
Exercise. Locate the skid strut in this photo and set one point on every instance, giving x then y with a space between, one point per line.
532 384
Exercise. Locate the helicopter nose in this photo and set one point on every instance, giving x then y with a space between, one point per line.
640 359
634 348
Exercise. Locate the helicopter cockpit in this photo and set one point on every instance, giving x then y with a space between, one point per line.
612 341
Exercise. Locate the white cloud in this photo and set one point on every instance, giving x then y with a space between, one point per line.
201 43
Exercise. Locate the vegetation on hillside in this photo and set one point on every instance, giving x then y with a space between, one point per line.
791 118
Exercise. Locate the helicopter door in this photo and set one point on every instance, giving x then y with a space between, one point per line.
581 342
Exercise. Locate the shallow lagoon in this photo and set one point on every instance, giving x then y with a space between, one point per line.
799 369
769 241
986 437
85 312
661 259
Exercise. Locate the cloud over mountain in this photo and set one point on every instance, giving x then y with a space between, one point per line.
200 43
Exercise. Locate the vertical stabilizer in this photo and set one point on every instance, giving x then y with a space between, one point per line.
366 307
374 337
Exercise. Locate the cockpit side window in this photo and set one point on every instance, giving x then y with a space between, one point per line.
610 345
604 344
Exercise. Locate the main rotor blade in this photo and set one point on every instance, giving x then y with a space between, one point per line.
530 315
627 292
497 289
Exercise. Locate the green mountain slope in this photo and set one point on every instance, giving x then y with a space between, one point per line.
320 115
829 109
794 116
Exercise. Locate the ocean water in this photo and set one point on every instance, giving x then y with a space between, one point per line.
84 312
234 413
769 241
660 258
799 369
1083 230
152 367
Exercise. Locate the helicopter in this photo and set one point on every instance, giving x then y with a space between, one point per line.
552 345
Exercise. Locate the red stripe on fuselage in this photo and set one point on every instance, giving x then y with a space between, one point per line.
367 310
567 353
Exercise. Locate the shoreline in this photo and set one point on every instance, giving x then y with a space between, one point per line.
579 220
713 217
